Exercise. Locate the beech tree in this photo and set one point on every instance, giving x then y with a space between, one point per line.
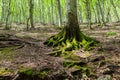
88 13
7 27
71 37
31 8
59 12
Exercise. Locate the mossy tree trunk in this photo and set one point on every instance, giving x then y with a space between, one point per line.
59 12
72 26
30 18
70 37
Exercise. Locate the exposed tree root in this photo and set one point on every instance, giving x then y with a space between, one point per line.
63 43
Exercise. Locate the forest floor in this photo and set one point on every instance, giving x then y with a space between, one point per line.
20 50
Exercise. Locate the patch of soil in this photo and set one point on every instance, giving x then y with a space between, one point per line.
29 53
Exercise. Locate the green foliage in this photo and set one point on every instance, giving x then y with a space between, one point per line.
111 33
45 11
71 63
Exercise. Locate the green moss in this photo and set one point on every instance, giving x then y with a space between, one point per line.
43 72
34 73
3 36
26 71
5 50
62 41
111 33
79 67
70 55
4 71
65 54
7 53
71 63
65 47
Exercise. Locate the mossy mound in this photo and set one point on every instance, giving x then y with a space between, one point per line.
63 45
63 42
78 69
7 53
31 74
4 72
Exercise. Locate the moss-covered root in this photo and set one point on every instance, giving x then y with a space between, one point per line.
63 43
56 40
78 68
31 74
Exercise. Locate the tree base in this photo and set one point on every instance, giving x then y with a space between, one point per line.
63 43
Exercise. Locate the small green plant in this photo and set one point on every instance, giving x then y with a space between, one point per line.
111 33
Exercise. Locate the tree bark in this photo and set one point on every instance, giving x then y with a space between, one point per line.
70 37
115 11
101 12
30 18
88 13
31 13
72 26
59 12
7 27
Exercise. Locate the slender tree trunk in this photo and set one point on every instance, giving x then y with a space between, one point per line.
7 27
31 10
115 11
80 12
98 14
59 12
108 14
88 13
39 9
95 14
42 14
52 12
30 18
102 13
3 11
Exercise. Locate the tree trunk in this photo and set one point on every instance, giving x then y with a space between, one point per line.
3 11
98 14
94 13
70 37
7 27
80 18
30 18
31 13
102 13
88 13
115 11
72 26
59 12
